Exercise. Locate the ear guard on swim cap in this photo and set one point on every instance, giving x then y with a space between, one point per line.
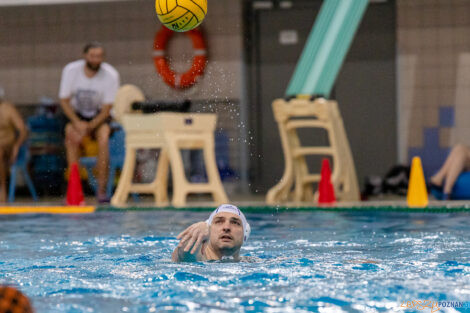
232 209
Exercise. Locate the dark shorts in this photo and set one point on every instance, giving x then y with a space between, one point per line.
88 119
83 118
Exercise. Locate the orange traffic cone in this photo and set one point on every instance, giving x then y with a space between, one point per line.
325 187
74 189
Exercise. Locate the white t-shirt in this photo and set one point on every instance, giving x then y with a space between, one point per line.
88 95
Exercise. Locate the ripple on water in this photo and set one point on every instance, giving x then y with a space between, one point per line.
367 267
185 276
260 277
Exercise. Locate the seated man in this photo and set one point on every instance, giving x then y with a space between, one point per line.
87 91
12 135
221 236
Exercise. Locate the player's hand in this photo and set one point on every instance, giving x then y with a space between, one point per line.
193 236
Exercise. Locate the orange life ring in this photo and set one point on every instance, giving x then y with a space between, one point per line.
173 79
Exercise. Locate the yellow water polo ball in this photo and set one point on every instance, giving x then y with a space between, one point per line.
181 15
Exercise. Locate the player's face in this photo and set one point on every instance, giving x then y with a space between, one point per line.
227 232
94 57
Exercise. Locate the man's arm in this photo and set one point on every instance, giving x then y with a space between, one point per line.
191 242
179 255
69 111
65 93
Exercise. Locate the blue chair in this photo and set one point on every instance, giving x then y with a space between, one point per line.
20 165
117 151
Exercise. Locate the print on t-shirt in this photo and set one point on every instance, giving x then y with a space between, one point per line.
87 101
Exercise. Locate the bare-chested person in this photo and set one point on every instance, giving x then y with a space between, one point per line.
12 135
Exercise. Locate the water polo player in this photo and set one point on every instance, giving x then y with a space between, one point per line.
221 236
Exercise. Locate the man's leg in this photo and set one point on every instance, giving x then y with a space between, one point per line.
102 136
438 178
72 144
3 175
459 161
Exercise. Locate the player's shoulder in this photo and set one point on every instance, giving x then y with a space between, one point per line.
109 70
75 65
7 107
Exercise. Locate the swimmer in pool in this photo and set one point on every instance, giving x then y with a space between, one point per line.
220 237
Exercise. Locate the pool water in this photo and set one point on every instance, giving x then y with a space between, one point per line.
361 261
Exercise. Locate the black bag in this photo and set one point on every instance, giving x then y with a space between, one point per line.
396 180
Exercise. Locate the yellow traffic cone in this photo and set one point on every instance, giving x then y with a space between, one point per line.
417 196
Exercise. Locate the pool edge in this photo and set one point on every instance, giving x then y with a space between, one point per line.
30 209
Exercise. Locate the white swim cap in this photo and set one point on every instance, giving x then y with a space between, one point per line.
232 209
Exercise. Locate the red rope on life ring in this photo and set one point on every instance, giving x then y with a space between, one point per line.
173 79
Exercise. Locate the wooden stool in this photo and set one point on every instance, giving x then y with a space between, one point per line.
169 132
319 113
